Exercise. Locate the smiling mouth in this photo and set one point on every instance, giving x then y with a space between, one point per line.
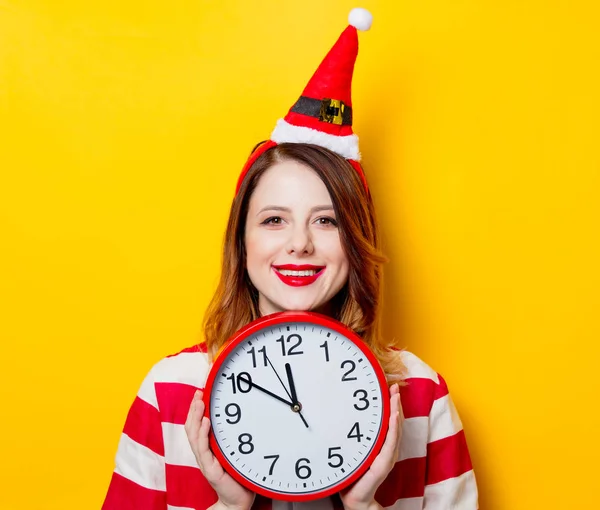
306 272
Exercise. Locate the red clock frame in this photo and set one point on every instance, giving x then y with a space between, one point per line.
321 320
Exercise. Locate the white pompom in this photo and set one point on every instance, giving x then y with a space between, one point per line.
360 18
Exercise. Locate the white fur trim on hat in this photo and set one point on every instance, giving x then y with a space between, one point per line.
346 146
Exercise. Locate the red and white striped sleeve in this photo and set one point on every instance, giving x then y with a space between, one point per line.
138 480
450 481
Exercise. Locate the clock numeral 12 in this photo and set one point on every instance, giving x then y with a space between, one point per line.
357 434
292 350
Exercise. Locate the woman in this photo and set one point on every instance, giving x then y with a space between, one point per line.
300 208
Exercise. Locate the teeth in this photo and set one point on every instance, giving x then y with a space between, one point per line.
287 272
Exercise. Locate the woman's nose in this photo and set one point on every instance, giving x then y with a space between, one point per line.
300 241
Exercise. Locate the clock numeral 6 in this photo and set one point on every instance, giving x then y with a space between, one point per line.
361 399
306 473
335 455
292 350
236 415
275 459
355 432
245 445
236 382
352 368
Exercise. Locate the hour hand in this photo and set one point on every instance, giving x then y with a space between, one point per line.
260 388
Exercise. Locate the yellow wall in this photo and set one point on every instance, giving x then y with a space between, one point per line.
123 125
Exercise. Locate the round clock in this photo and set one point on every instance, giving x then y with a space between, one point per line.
299 406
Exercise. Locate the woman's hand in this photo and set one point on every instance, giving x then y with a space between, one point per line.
231 494
361 494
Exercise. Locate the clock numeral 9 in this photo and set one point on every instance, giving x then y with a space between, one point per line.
241 377
275 459
331 455
306 473
245 445
355 432
292 350
361 399
352 368
264 353
237 414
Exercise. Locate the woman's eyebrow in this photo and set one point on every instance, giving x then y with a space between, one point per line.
314 209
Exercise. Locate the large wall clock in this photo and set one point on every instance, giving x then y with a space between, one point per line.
299 406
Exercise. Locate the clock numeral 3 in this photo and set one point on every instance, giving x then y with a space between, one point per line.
275 459
306 472
335 455
237 414
236 382
352 368
292 350
355 432
361 399
245 445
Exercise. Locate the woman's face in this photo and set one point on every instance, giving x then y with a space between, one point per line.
294 256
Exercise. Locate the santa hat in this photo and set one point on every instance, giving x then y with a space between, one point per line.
323 114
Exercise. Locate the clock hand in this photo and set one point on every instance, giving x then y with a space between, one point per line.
286 390
260 388
296 406
302 417
288 371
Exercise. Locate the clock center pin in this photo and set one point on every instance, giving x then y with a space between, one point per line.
297 407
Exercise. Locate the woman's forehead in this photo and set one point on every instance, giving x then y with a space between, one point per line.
290 183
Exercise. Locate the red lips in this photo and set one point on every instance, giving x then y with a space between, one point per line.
301 267
299 281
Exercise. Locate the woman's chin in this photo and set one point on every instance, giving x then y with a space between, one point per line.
306 306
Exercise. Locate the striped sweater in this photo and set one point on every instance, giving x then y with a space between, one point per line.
156 469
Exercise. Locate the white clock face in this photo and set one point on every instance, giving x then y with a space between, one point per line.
303 441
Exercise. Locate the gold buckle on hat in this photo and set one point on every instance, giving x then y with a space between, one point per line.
332 111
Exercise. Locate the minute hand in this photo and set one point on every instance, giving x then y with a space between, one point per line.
260 388
288 371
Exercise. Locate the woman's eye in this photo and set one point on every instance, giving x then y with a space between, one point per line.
325 220
273 220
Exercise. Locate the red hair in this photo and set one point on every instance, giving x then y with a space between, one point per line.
358 303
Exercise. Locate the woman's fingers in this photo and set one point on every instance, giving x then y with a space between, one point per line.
363 491
211 467
400 413
197 427
193 427
390 446
389 451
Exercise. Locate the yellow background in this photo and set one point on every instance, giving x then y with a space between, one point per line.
123 126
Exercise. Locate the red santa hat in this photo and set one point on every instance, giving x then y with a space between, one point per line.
323 114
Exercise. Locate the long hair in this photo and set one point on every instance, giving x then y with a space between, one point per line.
358 304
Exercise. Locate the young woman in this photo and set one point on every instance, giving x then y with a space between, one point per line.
301 210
